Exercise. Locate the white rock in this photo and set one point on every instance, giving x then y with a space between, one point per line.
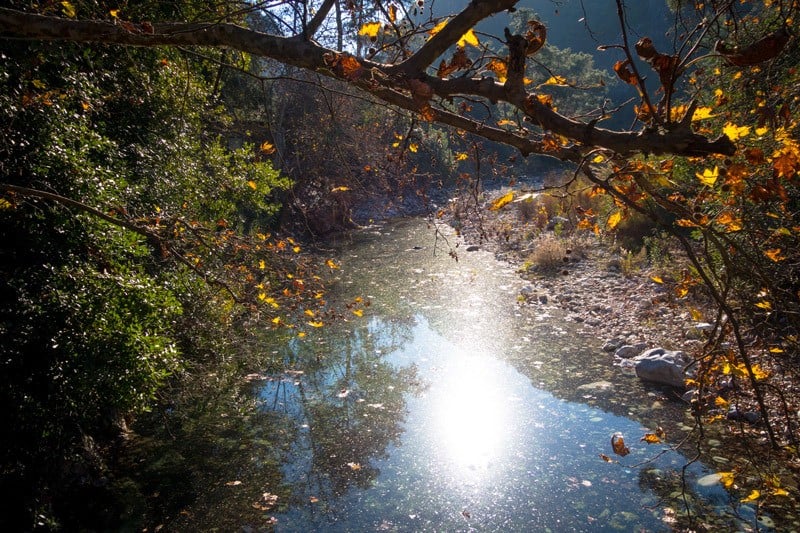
661 366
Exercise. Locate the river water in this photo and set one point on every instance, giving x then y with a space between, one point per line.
446 406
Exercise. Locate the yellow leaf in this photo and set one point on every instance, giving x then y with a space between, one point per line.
252 184
262 265
469 38
276 320
614 219
315 324
505 122
753 496
775 349
413 147
726 478
780 492
556 80
708 177
764 305
681 291
774 254
370 29
392 12
461 156
719 401
598 159
735 132
296 249
262 296
301 334
499 67
503 200
696 314
271 301
358 312
702 113
651 438
309 313
114 13
68 9
267 147
657 279
340 189
762 131
436 29
330 264
686 223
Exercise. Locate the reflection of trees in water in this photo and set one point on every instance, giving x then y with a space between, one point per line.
683 508
349 405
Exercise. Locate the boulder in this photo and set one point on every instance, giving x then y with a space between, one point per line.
661 366
628 351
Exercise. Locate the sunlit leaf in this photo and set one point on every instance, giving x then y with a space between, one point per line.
309 313
114 13
598 159
436 29
252 184
606 458
657 279
340 189
503 200
726 478
779 492
413 147
358 312
696 314
702 113
267 147
354 466
370 29
499 67
331 264
505 122
315 324
762 131
469 38
392 12
556 80
69 9
651 438
764 305
719 401
753 496
709 176
735 132
614 219
776 254
461 156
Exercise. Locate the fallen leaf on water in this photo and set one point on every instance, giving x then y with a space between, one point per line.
618 445
354 466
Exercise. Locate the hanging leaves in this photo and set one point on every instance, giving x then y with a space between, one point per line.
764 49
622 68
469 38
370 30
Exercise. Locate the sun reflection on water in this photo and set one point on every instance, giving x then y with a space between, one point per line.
472 417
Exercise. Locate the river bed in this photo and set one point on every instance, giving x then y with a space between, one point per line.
446 406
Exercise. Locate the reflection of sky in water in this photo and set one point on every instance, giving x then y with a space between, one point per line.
482 448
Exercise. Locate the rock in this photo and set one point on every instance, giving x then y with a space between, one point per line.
627 351
661 366
473 248
690 395
597 386
612 345
542 298
699 330
736 414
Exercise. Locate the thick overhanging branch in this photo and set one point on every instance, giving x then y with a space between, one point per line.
476 11
386 81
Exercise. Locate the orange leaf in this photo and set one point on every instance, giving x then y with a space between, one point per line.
618 445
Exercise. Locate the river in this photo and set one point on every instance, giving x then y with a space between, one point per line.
444 406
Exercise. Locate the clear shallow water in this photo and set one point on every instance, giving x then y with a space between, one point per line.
446 407
429 413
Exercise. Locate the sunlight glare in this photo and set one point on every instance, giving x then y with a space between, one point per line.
472 415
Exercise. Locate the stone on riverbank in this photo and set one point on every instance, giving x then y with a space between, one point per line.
661 366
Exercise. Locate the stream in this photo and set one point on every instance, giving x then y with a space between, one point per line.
445 406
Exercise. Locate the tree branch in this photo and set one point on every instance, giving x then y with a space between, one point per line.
392 83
